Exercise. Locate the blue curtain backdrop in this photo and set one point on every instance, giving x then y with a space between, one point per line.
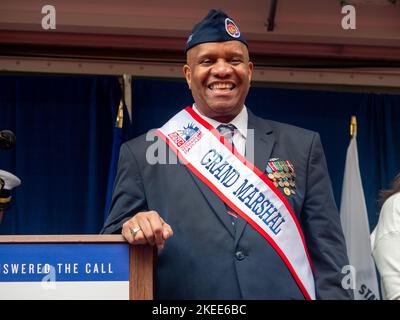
326 112
64 127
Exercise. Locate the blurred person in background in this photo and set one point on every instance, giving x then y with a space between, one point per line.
385 241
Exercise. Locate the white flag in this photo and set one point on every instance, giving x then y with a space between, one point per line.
354 218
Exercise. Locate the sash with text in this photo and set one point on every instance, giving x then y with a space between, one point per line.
243 187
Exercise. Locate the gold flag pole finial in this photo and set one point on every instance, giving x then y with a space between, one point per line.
120 115
353 127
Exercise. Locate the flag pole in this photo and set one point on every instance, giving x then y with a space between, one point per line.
354 219
353 127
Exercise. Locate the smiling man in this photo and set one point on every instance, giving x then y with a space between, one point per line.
227 228
219 76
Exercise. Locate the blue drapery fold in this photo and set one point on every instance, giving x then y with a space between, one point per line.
112 171
120 135
64 129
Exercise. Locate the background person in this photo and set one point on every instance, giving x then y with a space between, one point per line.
8 181
385 242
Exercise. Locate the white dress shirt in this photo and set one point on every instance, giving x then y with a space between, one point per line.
240 122
385 243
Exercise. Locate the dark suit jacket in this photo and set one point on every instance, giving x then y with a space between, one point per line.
209 259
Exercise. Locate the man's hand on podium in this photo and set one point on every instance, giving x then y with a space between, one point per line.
147 228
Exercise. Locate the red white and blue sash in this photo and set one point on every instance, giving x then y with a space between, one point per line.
243 187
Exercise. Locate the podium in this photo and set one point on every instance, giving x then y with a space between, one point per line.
91 267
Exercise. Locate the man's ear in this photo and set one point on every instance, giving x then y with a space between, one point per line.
251 67
188 75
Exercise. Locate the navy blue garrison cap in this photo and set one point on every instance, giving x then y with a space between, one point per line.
215 27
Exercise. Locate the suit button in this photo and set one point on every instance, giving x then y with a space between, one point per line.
240 255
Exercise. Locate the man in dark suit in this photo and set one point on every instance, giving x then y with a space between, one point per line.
206 249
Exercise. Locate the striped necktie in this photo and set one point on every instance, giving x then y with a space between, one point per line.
227 131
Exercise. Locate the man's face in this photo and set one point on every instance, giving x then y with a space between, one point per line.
219 75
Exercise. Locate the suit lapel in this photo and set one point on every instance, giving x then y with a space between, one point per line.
215 203
264 140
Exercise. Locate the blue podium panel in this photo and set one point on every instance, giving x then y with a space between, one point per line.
64 271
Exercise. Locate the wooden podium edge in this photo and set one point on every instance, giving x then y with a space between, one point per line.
141 258
142 270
